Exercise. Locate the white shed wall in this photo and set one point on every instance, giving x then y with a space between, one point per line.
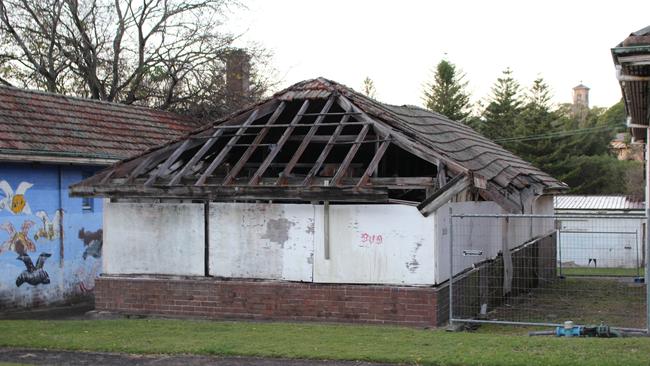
485 233
269 241
377 244
614 243
153 238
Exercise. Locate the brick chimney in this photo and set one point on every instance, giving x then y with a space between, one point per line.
238 75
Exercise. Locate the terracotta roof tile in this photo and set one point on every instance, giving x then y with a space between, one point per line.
34 121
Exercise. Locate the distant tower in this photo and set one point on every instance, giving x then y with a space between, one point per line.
581 96
580 100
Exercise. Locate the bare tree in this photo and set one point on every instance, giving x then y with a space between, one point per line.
167 54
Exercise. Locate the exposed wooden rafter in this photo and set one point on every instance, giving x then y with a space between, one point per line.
372 166
340 173
303 145
254 145
283 139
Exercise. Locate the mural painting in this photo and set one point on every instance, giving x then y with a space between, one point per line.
15 202
33 275
35 216
50 229
18 241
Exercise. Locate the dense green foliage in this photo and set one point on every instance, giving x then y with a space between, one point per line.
504 106
319 341
447 93
572 147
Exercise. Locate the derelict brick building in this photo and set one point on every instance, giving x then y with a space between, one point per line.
318 203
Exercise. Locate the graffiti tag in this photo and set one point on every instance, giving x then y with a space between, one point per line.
371 239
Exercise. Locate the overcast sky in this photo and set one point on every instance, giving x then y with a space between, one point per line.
398 43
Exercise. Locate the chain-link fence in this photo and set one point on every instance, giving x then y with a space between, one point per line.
546 269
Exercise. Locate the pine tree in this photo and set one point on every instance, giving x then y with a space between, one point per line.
368 88
447 93
502 111
532 126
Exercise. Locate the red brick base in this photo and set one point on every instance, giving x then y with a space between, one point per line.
241 299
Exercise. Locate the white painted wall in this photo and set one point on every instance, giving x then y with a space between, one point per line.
153 238
377 244
481 234
267 241
484 234
370 244
614 243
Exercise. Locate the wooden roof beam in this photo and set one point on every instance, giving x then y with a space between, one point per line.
263 110
303 145
218 192
400 140
456 185
226 149
256 143
285 136
172 158
340 173
326 150
372 166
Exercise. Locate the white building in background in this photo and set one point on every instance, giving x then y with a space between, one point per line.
615 241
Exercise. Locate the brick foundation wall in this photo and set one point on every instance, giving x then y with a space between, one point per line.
241 299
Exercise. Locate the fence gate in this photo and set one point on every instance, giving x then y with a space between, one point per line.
546 269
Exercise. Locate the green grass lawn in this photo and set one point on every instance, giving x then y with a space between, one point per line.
616 301
591 271
318 341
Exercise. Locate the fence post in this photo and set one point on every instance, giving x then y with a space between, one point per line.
647 228
451 265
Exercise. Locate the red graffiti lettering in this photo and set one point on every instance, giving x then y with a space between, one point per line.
370 239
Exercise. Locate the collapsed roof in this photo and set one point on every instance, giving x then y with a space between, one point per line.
632 60
321 141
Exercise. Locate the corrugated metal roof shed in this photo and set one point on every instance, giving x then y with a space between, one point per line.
39 123
596 203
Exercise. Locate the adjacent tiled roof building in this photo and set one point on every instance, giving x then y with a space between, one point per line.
39 126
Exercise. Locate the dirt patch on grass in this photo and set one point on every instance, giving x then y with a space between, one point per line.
615 301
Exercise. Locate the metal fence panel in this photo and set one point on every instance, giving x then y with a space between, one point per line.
586 268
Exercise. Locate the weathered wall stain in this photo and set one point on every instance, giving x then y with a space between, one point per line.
93 242
277 230
413 264
311 226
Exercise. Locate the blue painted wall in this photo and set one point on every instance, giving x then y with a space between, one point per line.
29 230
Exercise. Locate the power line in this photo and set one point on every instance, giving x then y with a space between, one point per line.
560 133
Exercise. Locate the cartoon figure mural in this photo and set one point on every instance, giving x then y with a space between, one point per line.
33 228
93 241
33 275
15 202
50 230
18 241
